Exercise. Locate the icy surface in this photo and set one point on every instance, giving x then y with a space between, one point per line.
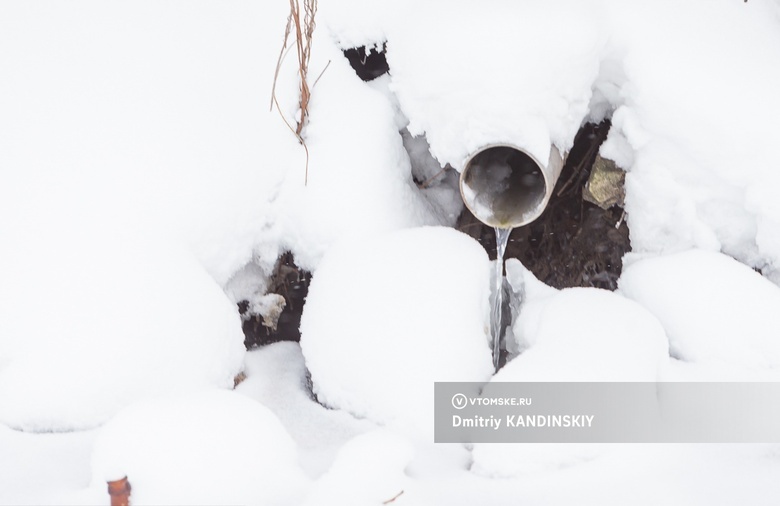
426 320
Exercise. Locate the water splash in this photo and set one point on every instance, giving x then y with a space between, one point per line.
502 238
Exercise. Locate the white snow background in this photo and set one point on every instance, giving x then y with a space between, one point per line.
145 188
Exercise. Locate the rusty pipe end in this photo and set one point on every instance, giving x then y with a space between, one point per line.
119 490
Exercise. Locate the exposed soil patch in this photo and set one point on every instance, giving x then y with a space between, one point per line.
574 242
291 282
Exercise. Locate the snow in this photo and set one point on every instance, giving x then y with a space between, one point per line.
698 118
46 468
368 470
693 111
276 378
714 309
475 93
584 334
92 326
576 335
425 321
147 188
215 447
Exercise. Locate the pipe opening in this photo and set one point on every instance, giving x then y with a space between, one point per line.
504 187
574 242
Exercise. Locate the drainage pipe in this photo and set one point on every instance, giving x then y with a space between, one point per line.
504 186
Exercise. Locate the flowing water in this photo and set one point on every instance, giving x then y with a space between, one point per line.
502 237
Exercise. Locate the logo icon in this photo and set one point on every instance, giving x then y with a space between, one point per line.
459 401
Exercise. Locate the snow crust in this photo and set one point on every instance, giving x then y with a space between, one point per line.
426 320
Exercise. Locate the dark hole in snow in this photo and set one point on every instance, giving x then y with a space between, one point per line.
292 283
368 64
573 243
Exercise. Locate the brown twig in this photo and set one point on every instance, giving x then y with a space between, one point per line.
319 76
392 499
280 59
578 169
304 30
300 139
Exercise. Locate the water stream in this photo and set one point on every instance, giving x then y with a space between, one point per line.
502 237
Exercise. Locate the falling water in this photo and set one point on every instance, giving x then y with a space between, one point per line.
502 237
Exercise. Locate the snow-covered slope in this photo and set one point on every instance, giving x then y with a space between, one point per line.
142 176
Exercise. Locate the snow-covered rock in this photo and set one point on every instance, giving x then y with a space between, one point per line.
211 447
387 317
368 470
104 322
276 378
574 335
584 334
714 309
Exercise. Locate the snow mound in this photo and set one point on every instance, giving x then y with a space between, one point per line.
514 460
46 468
422 317
584 334
359 172
212 447
692 139
276 378
104 323
485 85
700 173
368 470
715 310
577 335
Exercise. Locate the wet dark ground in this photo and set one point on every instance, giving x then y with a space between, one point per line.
292 283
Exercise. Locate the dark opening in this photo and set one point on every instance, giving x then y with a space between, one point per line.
369 64
505 186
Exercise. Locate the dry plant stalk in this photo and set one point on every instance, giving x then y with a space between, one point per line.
303 35
304 29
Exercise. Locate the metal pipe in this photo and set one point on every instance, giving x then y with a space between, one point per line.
504 186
